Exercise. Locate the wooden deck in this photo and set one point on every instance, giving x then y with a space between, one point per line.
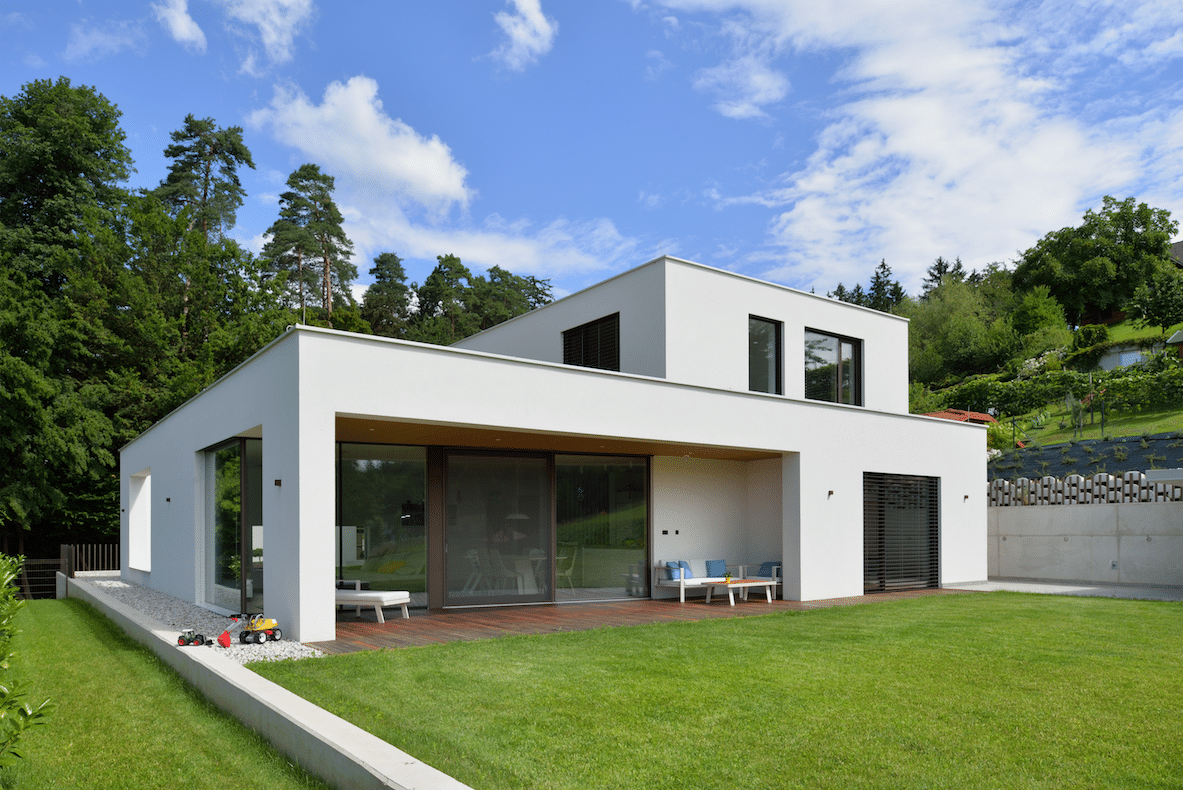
458 625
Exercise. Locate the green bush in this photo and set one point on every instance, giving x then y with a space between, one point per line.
16 713
1090 335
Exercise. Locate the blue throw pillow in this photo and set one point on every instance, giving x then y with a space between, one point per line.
686 574
768 568
716 567
673 570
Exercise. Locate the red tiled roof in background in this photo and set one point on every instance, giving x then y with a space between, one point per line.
960 415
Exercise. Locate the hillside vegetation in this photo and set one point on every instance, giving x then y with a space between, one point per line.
1022 342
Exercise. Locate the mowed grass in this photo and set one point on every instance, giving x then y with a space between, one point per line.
992 690
122 719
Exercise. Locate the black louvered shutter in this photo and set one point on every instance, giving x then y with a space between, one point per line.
900 532
596 344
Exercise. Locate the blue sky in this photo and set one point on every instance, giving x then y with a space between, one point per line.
795 141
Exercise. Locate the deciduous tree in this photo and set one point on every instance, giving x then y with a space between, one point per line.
1094 269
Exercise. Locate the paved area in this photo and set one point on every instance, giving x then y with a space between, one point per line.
1150 593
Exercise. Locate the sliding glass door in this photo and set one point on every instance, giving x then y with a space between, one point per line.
601 524
381 526
498 528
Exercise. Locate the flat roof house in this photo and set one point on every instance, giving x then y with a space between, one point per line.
673 411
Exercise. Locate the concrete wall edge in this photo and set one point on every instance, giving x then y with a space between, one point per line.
339 752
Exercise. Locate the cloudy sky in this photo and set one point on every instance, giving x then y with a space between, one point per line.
793 140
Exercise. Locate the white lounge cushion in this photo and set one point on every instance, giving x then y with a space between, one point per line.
375 598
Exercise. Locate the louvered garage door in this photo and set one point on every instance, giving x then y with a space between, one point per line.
900 532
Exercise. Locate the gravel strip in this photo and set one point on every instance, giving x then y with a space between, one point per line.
178 614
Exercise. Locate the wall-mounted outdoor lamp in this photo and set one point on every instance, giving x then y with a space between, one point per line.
279 482
830 494
168 499
966 498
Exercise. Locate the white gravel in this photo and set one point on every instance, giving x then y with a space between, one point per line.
178 614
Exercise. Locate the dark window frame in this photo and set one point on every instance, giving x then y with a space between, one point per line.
778 329
856 360
595 344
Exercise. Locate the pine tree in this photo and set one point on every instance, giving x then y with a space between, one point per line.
203 177
386 305
308 235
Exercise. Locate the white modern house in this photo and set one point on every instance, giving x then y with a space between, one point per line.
675 410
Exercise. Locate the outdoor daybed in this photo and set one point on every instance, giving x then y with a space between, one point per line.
376 598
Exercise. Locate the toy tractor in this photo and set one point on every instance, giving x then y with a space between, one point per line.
187 638
251 628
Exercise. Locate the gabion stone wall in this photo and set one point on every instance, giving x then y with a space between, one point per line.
1078 490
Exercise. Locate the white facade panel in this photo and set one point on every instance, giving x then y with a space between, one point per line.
707 334
638 295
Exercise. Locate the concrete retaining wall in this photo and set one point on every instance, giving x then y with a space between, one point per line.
1105 543
341 753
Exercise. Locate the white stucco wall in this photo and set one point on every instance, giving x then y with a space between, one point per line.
707 333
297 387
263 394
638 295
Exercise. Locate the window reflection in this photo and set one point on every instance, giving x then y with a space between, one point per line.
833 368
382 528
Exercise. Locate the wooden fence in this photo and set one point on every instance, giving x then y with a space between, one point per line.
38 578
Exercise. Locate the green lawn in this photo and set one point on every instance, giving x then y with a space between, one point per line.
968 691
1136 424
122 719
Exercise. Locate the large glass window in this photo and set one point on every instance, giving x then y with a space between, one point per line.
833 368
498 529
601 520
234 537
596 344
382 526
764 356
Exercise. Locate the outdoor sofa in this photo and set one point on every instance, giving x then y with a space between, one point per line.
690 574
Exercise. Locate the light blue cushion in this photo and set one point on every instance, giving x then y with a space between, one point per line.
716 568
686 574
673 570
768 568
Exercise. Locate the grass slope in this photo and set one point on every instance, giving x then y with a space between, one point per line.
122 719
972 691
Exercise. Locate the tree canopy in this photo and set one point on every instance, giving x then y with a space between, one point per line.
1094 269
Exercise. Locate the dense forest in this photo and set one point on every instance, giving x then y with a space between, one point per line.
116 305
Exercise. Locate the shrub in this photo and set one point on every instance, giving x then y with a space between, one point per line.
16 713
1090 335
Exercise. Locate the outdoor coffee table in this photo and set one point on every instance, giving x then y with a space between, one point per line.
742 585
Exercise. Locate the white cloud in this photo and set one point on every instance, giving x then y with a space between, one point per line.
531 35
174 16
349 134
659 64
744 86
88 39
562 248
276 22
959 128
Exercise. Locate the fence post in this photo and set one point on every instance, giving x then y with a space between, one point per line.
68 560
